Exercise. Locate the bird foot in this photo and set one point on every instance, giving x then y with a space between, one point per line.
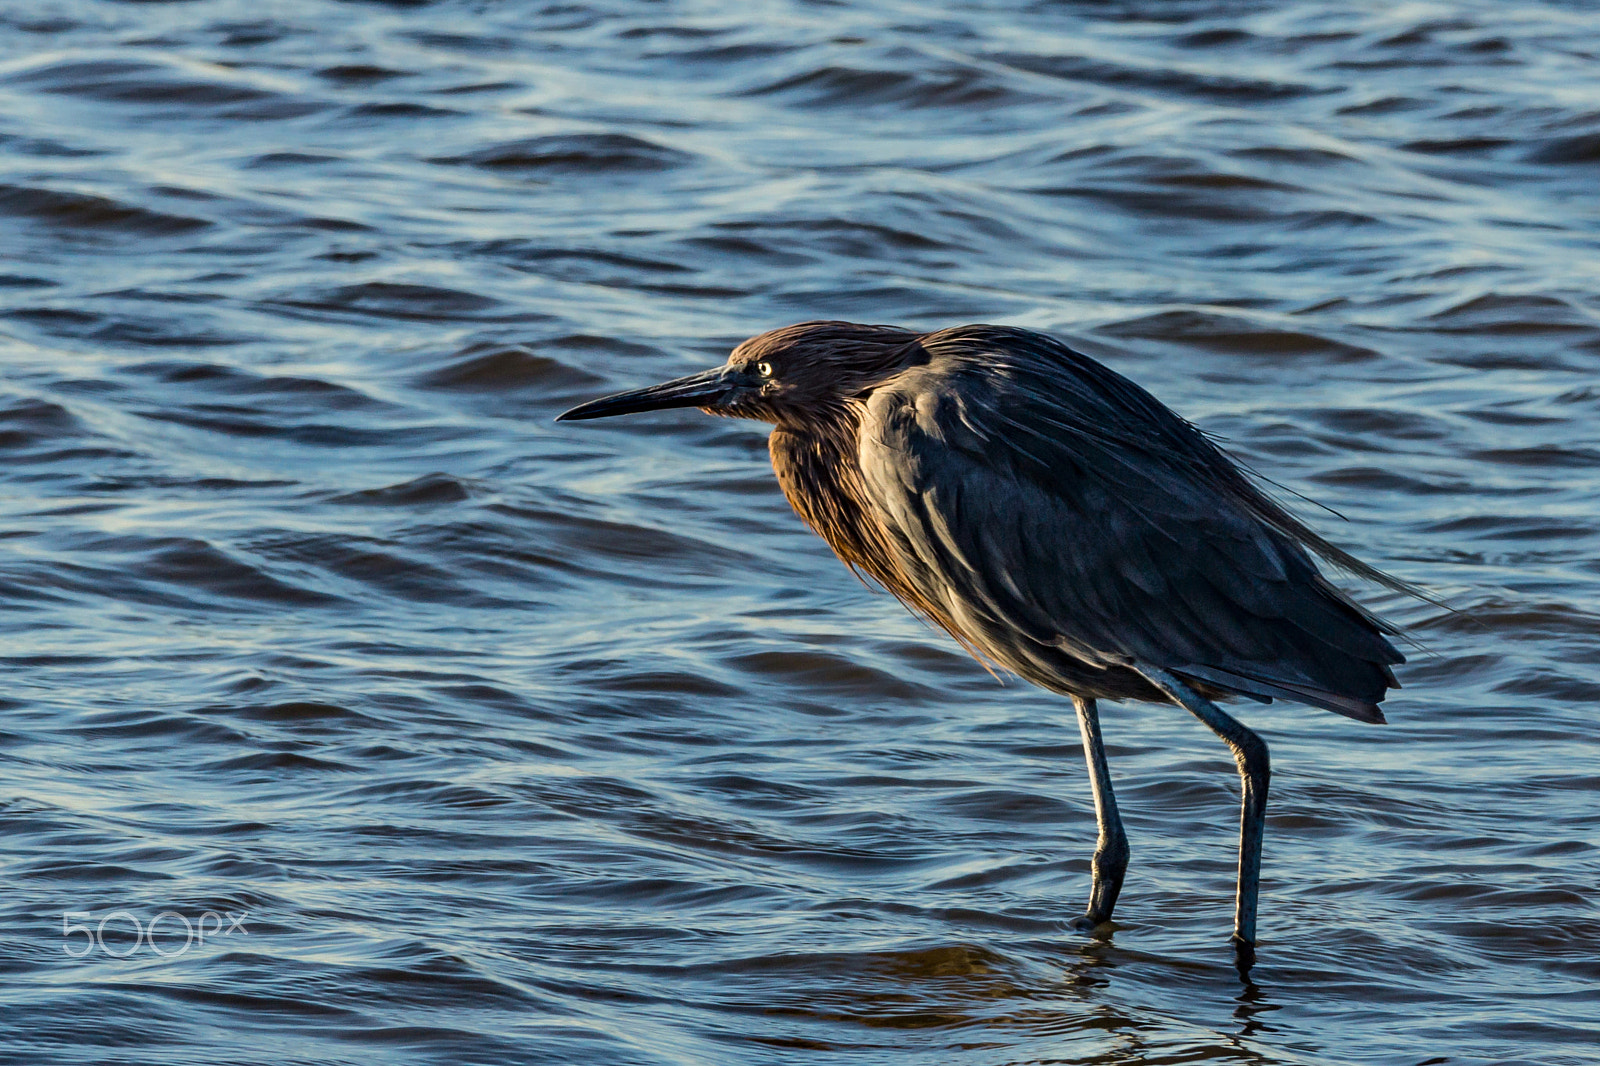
1244 955
1085 923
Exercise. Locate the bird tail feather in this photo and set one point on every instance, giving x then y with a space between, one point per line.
1349 706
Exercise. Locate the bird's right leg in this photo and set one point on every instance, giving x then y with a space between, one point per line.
1111 850
1255 773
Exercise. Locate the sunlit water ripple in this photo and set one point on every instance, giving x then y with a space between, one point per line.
525 743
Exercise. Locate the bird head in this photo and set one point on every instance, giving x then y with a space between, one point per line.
787 376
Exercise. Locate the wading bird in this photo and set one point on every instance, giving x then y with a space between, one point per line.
1058 520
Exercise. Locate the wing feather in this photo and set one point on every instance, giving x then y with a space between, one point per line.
1037 500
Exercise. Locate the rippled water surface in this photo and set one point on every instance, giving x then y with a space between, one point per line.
516 742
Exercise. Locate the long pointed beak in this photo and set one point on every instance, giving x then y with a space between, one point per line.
696 390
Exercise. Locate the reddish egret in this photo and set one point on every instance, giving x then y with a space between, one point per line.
1056 519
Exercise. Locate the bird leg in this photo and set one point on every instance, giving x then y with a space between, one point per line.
1255 770
1111 850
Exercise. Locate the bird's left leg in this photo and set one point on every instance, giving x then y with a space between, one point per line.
1255 771
1111 850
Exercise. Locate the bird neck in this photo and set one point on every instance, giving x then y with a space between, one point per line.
818 470
818 467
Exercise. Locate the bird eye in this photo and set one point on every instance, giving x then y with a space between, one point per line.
764 369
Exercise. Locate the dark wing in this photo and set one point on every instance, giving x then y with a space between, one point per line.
1041 497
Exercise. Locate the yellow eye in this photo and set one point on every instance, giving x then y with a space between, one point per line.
764 369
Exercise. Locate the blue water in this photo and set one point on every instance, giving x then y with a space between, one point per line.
465 737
